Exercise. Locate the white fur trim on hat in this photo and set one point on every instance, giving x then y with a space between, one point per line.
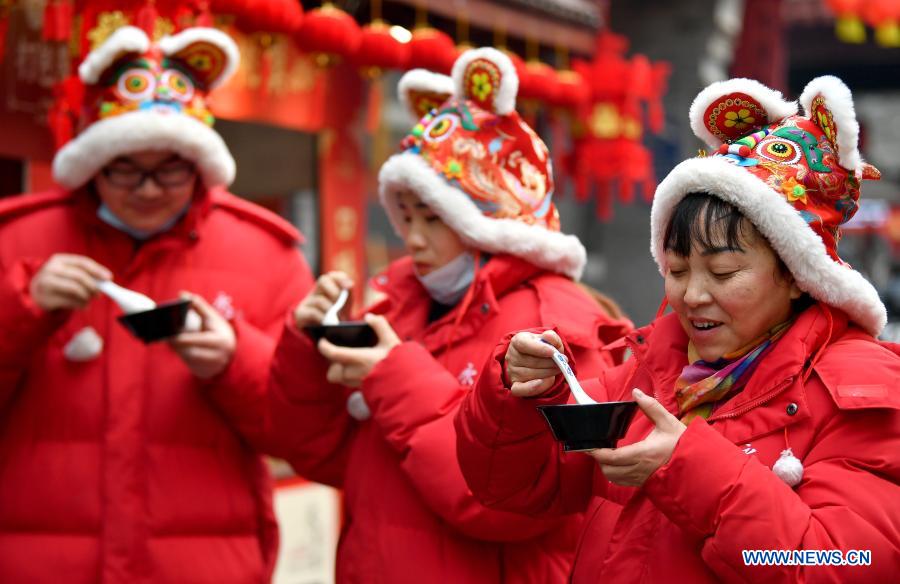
768 98
101 142
173 44
505 97
799 247
546 249
422 80
839 101
126 40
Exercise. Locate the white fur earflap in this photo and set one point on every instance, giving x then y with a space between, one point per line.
504 96
101 142
173 45
802 251
423 81
839 102
770 100
546 249
126 40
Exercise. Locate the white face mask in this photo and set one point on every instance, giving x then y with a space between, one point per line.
448 284
109 218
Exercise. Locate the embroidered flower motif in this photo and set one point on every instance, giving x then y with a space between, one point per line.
453 169
739 119
481 85
794 191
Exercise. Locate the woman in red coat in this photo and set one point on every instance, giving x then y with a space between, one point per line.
122 462
471 198
770 412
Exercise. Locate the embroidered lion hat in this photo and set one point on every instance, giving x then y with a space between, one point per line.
478 165
795 176
143 96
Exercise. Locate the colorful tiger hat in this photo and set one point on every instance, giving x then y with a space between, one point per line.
795 176
478 166
143 96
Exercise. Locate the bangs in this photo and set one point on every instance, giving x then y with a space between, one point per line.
707 223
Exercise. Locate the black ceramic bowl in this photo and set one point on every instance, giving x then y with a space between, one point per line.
353 333
166 320
583 427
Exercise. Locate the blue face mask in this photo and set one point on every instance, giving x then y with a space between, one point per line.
448 284
109 218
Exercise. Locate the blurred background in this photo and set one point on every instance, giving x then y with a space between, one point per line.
313 113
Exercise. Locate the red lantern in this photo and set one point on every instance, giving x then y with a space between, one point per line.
573 91
432 49
329 33
274 16
608 150
378 49
884 17
538 81
848 26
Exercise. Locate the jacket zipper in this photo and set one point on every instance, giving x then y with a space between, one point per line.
755 403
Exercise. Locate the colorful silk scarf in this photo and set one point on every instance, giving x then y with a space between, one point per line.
703 385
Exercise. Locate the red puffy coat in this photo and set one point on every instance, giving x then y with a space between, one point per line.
126 468
409 516
827 390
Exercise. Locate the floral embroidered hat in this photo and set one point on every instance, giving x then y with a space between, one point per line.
795 176
142 96
478 165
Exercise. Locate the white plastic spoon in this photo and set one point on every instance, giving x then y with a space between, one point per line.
563 363
331 315
128 300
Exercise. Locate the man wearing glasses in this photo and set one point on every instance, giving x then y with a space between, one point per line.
122 461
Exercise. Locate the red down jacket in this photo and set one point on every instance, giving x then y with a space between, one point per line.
409 516
827 390
126 468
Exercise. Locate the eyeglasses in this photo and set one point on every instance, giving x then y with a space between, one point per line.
167 175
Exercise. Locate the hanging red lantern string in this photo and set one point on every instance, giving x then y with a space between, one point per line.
329 33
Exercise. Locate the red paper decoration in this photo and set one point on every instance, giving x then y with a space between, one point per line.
607 149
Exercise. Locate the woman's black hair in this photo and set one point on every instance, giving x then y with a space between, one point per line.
722 225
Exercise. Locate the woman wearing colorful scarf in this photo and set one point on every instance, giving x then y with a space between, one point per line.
769 412
471 197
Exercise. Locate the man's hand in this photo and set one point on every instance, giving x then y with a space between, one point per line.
67 281
529 364
630 466
349 366
324 294
206 352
